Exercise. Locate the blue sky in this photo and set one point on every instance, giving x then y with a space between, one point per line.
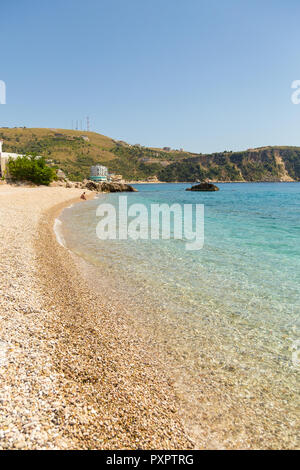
205 75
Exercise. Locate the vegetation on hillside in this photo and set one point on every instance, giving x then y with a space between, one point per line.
267 164
66 149
75 151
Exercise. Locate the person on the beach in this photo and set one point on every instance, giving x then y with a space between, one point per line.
83 196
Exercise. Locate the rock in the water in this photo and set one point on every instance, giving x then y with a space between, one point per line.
203 187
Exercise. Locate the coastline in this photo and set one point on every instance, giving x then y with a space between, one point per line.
80 367
76 376
211 181
207 354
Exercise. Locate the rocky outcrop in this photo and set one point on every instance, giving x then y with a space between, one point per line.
93 186
281 165
109 187
203 187
117 187
60 175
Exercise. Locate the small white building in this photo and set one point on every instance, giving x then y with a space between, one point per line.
4 157
99 173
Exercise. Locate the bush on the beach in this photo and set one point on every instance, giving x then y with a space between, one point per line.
30 168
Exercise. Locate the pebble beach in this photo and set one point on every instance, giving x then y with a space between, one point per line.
73 374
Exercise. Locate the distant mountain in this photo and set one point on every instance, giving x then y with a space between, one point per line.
75 151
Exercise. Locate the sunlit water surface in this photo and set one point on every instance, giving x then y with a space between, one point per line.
225 319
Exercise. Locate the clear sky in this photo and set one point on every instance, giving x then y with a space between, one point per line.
205 75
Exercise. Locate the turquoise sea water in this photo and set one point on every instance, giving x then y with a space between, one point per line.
232 307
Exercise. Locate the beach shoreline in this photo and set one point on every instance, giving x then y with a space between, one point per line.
75 376
83 366
224 368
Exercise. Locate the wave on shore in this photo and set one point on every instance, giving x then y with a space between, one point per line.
58 232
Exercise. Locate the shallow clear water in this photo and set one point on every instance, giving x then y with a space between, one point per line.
232 307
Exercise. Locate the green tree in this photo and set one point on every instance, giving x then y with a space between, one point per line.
30 168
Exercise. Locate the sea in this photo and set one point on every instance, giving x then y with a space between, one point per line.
223 320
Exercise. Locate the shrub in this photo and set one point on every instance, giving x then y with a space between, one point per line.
30 168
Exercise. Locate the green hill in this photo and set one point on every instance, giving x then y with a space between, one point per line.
261 164
75 151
